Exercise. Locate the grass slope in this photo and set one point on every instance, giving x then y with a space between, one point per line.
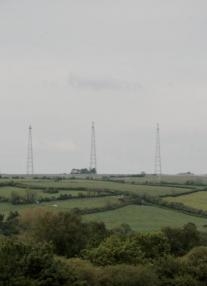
95 184
145 218
196 200
6 192
63 205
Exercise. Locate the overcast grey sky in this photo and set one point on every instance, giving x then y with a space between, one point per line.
126 64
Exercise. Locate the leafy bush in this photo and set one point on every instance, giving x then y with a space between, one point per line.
181 240
132 249
23 264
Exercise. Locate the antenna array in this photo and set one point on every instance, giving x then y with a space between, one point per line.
30 166
158 165
93 162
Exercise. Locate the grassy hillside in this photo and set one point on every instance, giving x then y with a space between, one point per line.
96 195
196 200
7 191
146 218
65 205
101 185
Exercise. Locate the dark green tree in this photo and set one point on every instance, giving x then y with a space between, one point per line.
23 264
181 240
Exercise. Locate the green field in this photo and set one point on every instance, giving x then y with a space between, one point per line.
65 205
101 185
196 200
146 218
5 208
174 179
6 192
82 203
143 218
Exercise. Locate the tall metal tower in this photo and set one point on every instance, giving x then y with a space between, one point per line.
93 162
157 164
30 166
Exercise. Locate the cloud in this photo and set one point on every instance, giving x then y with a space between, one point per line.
106 83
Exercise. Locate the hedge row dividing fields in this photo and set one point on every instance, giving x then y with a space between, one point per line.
99 198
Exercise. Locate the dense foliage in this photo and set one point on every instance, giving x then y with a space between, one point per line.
42 248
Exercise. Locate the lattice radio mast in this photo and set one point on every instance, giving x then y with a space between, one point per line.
30 166
93 162
158 165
